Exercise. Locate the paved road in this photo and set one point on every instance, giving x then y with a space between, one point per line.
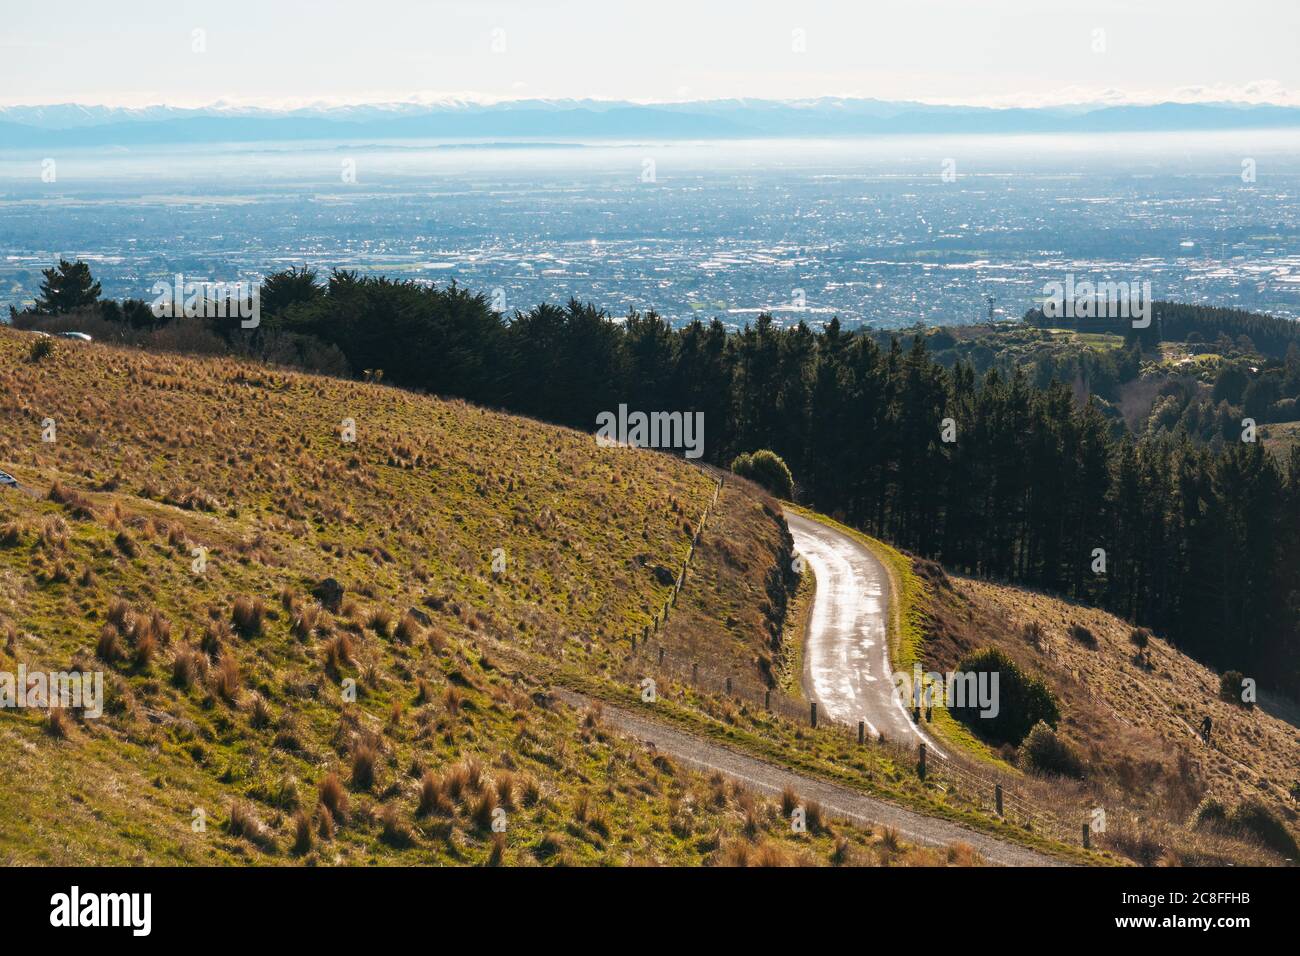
846 652
837 801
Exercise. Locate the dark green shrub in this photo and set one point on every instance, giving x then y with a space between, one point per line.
766 468
1045 753
1230 687
1210 813
1022 699
1083 635
40 349
1253 820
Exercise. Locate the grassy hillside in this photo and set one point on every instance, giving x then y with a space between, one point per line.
1133 715
251 718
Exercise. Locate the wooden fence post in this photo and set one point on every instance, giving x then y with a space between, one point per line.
812 713
920 766
997 797
695 673
661 656
862 732
728 686
1087 836
767 699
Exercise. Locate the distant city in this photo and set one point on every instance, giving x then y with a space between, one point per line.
888 232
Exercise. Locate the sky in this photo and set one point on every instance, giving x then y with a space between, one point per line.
283 53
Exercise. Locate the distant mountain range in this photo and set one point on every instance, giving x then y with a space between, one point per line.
75 125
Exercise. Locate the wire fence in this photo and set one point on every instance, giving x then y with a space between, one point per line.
650 653
985 790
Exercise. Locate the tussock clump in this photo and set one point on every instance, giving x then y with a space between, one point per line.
963 854
78 505
396 833
259 712
302 833
423 692
154 626
11 534
306 620
842 855
338 653
120 615
364 759
126 544
505 785
109 647
739 853
334 798
550 845
452 700
789 801
187 667
482 810
145 649
226 679
244 823
214 638
433 798
409 630
248 615
815 818
382 621
57 724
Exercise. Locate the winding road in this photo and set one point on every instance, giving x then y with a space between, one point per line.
847 671
846 665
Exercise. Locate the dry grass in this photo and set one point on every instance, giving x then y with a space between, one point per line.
1131 706
160 455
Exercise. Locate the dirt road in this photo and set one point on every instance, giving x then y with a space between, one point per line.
770 780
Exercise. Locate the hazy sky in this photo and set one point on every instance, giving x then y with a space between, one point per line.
288 52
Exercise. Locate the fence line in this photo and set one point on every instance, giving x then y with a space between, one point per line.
984 788
987 790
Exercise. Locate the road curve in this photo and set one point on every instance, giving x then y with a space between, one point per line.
837 801
846 650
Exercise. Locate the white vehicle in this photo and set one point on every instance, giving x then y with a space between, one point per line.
78 336
7 480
